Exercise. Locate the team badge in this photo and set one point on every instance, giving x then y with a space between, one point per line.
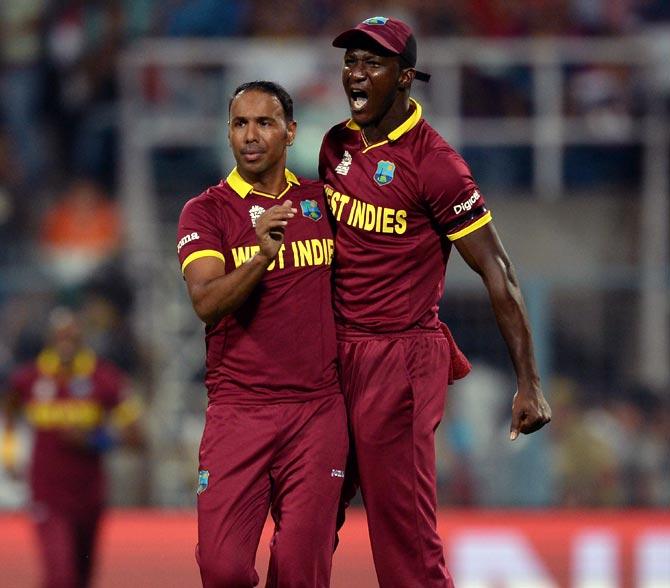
255 212
203 481
310 209
384 173
376 20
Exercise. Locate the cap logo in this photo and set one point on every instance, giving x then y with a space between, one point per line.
376 20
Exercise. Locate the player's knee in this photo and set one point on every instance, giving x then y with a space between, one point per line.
226 572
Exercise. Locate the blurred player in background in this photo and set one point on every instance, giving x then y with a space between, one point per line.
79 407
400 196
256 252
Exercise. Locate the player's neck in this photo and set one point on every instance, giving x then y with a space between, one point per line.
269 182
397 114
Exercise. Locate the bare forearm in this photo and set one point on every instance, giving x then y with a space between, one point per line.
224 294
510 312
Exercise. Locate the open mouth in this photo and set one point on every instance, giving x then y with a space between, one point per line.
358 99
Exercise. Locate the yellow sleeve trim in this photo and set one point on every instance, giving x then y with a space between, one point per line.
486 219
126 413
199 254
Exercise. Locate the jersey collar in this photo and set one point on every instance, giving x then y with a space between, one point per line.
244 188
403 128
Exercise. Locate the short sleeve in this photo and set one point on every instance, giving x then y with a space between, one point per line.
453 198
198 233
113 384
123 407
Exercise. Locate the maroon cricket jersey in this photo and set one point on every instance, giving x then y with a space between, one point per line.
279 345
64 475
398 205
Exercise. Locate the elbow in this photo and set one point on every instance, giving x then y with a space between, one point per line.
205 313
500 279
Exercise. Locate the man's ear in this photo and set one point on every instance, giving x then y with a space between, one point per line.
406 78
291 131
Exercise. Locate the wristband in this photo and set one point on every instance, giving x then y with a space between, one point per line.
102 439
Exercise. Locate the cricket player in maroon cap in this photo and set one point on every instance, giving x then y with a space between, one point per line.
256 251
401 197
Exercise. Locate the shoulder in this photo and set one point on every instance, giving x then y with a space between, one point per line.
23 375
214 196
109 372
338 133
207 204
431 150
309 189
309 185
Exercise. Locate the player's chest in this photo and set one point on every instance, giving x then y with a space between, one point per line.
308 239
376 191
55 403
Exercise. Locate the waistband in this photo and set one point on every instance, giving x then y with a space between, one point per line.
347 334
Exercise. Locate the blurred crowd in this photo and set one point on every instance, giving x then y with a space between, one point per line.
61 231
59 89
608 451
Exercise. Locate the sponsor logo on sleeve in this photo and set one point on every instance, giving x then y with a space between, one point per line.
187 239
255 213
468 204
336 473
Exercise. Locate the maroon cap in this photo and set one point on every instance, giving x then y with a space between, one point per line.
389 33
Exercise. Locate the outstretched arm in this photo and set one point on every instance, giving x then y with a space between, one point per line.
484 253
215 293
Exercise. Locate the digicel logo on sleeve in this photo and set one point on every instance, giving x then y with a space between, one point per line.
467 205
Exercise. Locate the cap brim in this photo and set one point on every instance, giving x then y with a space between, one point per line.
349 39
354 37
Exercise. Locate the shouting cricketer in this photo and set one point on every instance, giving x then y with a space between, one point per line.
255 251
400 197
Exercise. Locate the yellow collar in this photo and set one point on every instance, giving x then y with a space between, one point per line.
244 188
403 128
83 365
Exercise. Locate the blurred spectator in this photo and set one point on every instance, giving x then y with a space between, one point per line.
106 310
613 453
210 18
21 82
586 464
602 17
653 11
84 42
79 407
80 232
8 203
604 97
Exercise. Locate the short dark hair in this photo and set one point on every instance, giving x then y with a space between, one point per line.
271 88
